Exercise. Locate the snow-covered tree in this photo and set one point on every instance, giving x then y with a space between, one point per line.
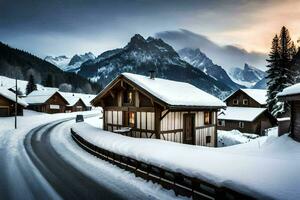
65 87
273 74
31 86
279 71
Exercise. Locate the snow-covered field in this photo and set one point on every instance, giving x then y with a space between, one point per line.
267 167
229 138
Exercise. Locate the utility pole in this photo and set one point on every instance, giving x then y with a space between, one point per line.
16 102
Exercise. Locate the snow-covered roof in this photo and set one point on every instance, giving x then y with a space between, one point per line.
71 97
39 96
258 95
291 90
175 93
11 96
71 100
247 114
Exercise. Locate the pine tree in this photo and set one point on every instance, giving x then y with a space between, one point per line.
273 73
31 86
279 73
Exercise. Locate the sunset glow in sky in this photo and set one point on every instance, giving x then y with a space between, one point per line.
76 26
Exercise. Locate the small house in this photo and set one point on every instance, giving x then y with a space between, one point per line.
78 101
48 101
75 105
256 98
292 96
246 111
159 108
8 102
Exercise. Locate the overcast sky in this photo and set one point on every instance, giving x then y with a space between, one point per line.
76 26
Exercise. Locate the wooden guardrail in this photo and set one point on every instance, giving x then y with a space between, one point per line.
181 184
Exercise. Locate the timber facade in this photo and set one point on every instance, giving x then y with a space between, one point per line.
56 103
294 101
77 107
127 104
240 99
7 107
263 121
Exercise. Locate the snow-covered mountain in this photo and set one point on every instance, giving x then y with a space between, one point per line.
141 55
70 64
59 61
247 76
262 84
199 60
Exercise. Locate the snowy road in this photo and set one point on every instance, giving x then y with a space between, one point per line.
48 164
68 181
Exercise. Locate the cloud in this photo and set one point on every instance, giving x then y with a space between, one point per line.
227 56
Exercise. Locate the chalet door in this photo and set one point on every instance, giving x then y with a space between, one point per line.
129 119
189 129
125 118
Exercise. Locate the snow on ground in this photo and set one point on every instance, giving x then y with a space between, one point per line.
14 160
13 155
95 121
272 131
229 138
267 167
113 177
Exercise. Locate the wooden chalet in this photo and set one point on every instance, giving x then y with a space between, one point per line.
7 103
159 108
78 101
292 96
75 103
48 101
77 106
246 111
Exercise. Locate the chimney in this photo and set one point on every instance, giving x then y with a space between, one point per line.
152 74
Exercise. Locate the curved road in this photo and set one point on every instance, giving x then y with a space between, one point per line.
66 180
45 163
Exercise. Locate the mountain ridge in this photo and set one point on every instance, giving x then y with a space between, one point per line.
198 59
141 55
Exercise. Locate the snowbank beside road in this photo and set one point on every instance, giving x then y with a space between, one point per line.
265 167
19 175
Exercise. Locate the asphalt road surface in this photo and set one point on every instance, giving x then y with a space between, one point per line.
66 180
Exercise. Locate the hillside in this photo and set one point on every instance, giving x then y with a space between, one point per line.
17 62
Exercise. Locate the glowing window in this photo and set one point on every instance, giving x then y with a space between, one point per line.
131 119
207 118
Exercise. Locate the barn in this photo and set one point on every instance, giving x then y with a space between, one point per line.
246 111
48 101
292 96
149 107
7 103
